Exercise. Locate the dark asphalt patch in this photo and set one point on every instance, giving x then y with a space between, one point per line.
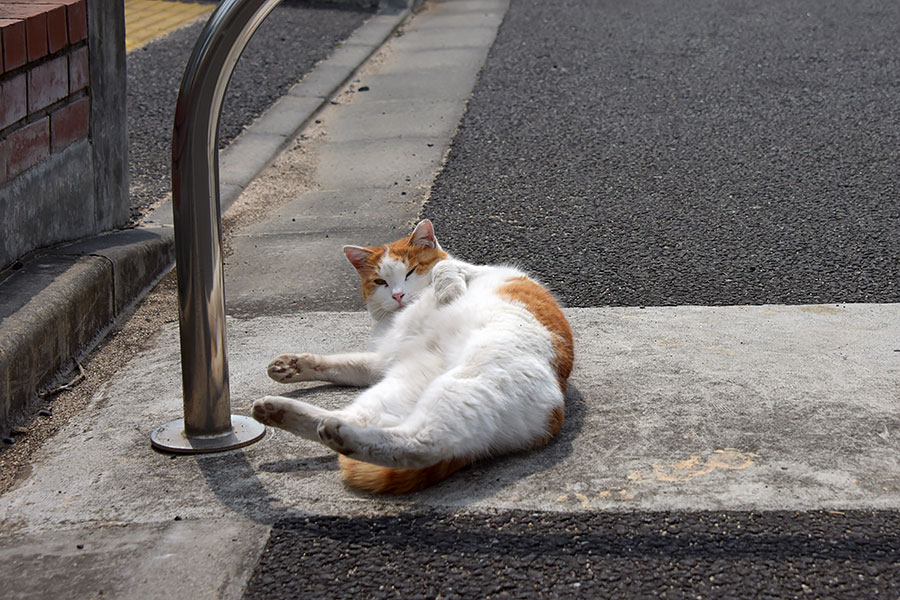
836 554
668 153
286 46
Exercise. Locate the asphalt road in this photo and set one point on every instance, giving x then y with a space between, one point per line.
286 46
601 555
667 153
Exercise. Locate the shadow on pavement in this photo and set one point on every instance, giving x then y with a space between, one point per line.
235 482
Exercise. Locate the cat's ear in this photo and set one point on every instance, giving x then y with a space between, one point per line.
357 256
423 235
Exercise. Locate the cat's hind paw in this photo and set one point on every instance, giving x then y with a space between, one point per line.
291 368
333 433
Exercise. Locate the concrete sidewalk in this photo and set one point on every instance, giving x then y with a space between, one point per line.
672 408
57 304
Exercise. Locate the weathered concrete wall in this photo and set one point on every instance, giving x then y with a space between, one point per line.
109 129
50 202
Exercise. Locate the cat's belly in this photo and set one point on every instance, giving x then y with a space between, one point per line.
477 326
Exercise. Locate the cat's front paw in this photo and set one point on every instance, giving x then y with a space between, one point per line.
286 413
291 368
269 412
449 283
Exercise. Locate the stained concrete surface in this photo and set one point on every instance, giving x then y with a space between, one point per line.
690 408
749 408
126 560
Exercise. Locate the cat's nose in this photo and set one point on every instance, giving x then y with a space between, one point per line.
398 296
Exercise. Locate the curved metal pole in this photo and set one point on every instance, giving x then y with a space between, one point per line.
208 425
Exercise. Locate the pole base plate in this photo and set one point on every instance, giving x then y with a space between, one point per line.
172 438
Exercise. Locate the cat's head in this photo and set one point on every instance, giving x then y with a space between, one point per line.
396 274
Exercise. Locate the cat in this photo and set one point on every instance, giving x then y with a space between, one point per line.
469 362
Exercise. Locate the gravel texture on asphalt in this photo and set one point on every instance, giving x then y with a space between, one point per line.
286 46
668 153
825 554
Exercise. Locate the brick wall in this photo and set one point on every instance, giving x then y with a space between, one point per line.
63 133
45 101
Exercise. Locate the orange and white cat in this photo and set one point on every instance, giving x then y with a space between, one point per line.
469 362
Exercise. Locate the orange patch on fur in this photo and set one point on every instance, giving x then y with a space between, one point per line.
420 257
368 272
543 306
557 416
554 424
376 479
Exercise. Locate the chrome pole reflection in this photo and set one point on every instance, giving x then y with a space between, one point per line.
208 425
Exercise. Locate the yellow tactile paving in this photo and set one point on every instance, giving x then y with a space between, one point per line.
146 20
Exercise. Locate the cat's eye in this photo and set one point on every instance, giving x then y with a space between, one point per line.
411 271
380 282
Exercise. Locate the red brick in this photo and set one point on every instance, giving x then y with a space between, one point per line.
35 17
14 49
28 146
57 28
76 14
57 21
13 100
79 73
70 124
36 37
48 83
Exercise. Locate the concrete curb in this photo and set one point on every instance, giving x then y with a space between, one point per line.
61 302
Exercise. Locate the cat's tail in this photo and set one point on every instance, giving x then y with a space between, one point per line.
385 480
